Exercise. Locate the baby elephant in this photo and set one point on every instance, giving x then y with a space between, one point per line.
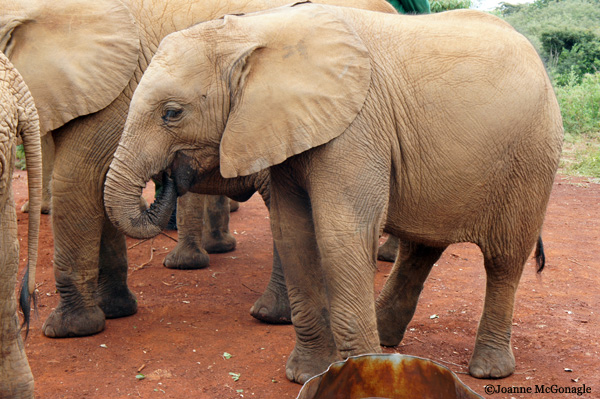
18 116
445 123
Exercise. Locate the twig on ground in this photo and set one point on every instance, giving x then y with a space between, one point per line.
152 249
251 289
138 243
168 236
574 261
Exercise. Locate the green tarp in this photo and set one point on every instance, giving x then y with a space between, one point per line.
411 6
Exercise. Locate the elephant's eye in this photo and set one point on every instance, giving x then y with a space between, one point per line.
172 115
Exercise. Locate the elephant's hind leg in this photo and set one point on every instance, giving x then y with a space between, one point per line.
113 295
397 302
492 356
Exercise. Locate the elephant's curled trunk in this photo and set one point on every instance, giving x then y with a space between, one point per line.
122 200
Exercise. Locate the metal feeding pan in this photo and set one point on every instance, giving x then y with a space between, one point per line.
389 376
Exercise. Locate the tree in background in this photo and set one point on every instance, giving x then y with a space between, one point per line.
447 5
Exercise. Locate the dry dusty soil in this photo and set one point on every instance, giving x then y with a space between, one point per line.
187 320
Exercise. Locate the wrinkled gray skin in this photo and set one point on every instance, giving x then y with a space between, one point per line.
93 84
444 127
18 116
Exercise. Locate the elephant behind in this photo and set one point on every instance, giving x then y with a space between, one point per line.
443 127
18 117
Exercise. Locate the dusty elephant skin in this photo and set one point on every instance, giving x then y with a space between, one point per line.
457 135
85 113
18 116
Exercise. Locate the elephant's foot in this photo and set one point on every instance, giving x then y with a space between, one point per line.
186 257
218 242
117 303
45 207
273 307
302 366
17 380
78 322
388 250
489 362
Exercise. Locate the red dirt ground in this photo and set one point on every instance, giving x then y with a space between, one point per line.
187 320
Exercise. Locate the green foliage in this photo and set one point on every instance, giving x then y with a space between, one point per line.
585 161
580 104
447 5
535 18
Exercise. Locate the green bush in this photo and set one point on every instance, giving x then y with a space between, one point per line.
447 5
538 17
580 103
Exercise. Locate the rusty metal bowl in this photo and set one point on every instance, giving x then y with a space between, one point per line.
389 376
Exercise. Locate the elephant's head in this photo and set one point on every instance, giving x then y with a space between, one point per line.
238 94
76 56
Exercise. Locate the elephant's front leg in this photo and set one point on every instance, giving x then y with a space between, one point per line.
293 233
348 241
77 219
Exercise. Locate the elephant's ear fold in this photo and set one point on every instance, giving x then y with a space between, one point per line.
300 85
76 56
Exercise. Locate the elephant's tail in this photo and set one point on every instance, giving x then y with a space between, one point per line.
540 257
25 300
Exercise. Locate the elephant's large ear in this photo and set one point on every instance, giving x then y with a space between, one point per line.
76 56
299 86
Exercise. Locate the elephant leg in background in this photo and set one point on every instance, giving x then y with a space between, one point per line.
17 380
216 237
388 251
47 166
273 306
80 229
113 296
397 302
189 254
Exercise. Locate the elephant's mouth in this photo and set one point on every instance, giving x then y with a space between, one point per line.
181 173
